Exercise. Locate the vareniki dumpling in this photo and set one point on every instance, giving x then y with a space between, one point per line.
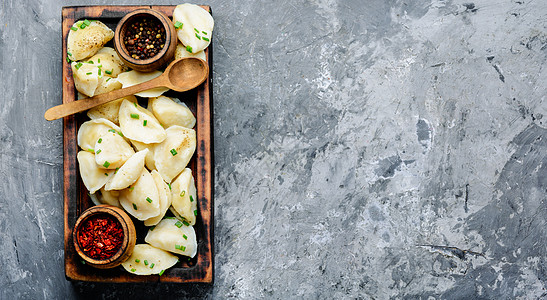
139 124
90 132
170 113
181 52
197 26
93 177
128 173
183 193
86 38
112 150
174 236
164 194
173 154
148 260
110 110
141 200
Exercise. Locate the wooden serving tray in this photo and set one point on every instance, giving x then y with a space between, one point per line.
76 199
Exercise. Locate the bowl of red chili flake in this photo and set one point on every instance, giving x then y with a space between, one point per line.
145 39
104 236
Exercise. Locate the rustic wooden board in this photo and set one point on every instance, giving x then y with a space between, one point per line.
76 200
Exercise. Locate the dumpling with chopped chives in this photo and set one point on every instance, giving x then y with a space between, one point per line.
181 52
197 26
109 197
164 198
174 236
110 110
183 193
173 154
86 77
90 132
86 38
109 62
148 260
128 173
141 199
149 159
139 124
170 113
112 150
93 177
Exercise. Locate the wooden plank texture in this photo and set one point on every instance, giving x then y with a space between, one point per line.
76 200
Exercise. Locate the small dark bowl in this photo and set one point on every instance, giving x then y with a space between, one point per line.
129 236
161 58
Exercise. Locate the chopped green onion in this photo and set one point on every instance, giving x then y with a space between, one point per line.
178 224
189 49
91 150
170 218
87 22
144 122
74 28
184 236
135 104
173 152
82 26
185 223
108 79
204 32
106 164
145 262
69 53
88 73
98 151
198 37
109 72
78 65
196 30
99 140
151 265
132 188
169 185
121 134
133 270
112 130
152 228
135 206
135 116
116 171
68 59
183 248
99 66
205 39
161 272
177 247
99 60
178 25
182 193
99 72
83 262
90 62
137 260
148 199
191 198
195 212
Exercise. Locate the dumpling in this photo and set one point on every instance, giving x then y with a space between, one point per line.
140 124
141 200
133 77
182 52
112 150
109 62
90 132
107 85
93 177
110 197
148 260
128 173
86 38
164 197
197 26
86 77
170 113
173 154
110 110
149 159
183 193
174 236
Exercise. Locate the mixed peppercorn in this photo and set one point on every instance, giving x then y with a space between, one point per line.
100 237
144 38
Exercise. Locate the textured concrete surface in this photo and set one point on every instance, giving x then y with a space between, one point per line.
363 149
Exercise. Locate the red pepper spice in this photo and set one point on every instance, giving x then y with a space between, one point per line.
100 237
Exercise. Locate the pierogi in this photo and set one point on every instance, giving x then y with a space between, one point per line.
196 26
86 38
169 113
174 236
148 260
173 154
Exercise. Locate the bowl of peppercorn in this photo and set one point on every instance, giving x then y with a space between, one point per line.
145 40
104 236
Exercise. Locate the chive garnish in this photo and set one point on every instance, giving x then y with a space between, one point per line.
99 60
135 206
91 150
90 62
169 185
183 248
198 37
151 265
98 151
68 59
99 140
178 224
137 260
121 134
189 49
99 72
161 272
88 73
148 199
108 79
185 223
173 152
135 116
87 22
182 193
144 122
178 25
133 270
205 39
116 171
145 262
204 32
74 28
109 72
78 65
82 26
195 29
132 188
184 236
112 130
152 228
135 103
177 247
106 164
191 198
195 212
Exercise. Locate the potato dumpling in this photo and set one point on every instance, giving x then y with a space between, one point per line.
141 199
112 150
164 197
110 110
127 174
174 236
86 38
93 177
109 62
148 260
196 26
139 124
184 198
170 113
173 154
182 52
90 132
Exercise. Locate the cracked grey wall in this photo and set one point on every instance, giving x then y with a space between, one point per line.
363 149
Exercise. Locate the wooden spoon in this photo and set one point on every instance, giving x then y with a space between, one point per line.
181 75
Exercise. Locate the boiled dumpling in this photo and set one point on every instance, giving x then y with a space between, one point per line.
164 197
86 38
173 154
141 200
170 113
133 77
93 177
86 77
107 85
148 260
109 62
140 124
197 26
110 197
174 236
110 110
149 159
128 173
112 150
90 132
183 193
182 52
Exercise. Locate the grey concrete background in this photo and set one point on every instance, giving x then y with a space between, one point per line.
363 149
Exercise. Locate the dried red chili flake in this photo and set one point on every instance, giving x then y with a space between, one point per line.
100 237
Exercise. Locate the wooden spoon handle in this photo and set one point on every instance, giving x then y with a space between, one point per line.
70 108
